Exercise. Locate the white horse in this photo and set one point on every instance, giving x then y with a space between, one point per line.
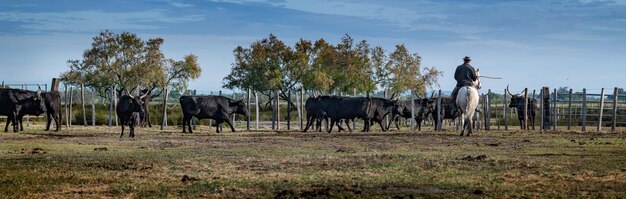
467 101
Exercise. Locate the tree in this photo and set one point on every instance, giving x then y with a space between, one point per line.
407 73
267 65
179 73
318 75
122 61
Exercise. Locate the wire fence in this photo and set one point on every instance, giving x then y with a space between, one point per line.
559 110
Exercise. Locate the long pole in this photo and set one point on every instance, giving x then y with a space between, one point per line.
93 108
599 127
301 108
438 127
71 103
277 110
114 105
110 106
615 98
584 111
556 110
273 110
506 113
541 113
488 123
289 110
534 117
82 102
256 107
412 112
164 118
526 108
249 109
569 110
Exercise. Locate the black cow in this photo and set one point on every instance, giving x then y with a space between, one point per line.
517 101
145 117
52 101
315 114
404 110
15 103
447 106
339 108
219 108
378 109
126 108
53 109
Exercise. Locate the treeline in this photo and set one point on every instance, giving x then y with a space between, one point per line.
347 67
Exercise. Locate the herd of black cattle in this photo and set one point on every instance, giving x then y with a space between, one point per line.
16 103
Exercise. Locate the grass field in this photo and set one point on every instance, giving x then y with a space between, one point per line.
95 162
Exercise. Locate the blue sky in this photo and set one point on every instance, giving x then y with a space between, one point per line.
579 44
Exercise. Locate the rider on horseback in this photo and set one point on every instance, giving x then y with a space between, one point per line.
465 75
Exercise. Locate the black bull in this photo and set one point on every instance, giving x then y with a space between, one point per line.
218 108
517 102
339 108
52 101
14 103
126 108
422 108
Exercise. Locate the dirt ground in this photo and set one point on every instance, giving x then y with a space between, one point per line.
96 162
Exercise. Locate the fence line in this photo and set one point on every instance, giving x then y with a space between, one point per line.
571 110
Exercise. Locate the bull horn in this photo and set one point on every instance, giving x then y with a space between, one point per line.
393 95
39 91
417 95
432 95
507 90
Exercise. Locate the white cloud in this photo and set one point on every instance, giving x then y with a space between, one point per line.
570 36
77 21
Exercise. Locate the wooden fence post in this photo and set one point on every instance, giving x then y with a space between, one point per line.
545 93
234 115
110 106
71 101
82 102
556 110
412 112
541 113
584 111
277 98
439 121
301 108
488 123
93 108
256 107
599 127
249 103
535 117
114 106
164 118
526 108
506 113
289 110
615 98
569 110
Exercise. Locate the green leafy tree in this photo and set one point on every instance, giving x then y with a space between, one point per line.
407 73
268 65
178 74
122 61
318 77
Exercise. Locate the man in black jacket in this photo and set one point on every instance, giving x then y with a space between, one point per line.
465 75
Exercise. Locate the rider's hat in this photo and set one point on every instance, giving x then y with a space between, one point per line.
466 58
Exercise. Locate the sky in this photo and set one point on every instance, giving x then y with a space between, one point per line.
567 43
